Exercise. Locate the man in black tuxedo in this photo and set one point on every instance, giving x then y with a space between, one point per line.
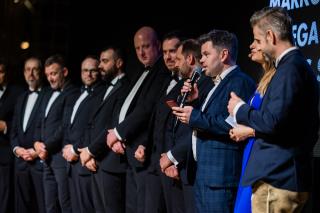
177 136
130 135
156 197
28 167
108 182
49 134
75 124
8 97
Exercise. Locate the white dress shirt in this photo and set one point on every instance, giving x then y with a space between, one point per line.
53 97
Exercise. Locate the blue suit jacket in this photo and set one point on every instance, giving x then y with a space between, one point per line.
218 157
286 127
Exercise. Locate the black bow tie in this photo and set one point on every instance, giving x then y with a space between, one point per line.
56 90
1 88
88 89
33 91
175 77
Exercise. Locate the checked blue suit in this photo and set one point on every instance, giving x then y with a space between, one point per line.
218 157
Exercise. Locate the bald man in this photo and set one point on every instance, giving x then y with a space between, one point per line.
130 134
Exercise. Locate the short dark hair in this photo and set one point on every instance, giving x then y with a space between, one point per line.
191 46
55 59
172 35
118 52
222 39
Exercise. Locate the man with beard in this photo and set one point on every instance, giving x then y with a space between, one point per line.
75 125
108 182
156 197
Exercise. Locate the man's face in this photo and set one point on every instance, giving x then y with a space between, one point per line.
32 73
147 49
261 42
169 52
107 66
2 74
182 65
211 59
56 75
89 71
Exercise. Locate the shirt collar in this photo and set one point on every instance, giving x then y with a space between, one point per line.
227 71
115 79
283 54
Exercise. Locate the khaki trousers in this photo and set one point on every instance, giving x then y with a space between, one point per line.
268 199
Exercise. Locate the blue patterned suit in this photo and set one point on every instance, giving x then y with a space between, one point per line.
218 158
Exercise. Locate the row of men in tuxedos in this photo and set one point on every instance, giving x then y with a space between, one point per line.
68 115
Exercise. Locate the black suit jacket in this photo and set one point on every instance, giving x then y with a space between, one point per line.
7 103
50 128
134 128
73 133
101 120
26 139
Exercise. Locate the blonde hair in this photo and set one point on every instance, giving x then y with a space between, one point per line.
269 71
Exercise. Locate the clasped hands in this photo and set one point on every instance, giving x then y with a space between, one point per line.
40 149
239 132
167 167
26 154
114 143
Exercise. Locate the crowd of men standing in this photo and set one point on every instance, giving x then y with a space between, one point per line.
130 145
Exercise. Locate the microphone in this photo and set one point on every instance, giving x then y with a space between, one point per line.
194 78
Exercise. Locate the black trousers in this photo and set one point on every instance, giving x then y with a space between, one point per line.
29 191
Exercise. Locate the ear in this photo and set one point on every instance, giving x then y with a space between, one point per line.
65 72
271 37
190 59
224 54
119 63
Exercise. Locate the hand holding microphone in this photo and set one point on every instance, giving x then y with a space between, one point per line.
189 87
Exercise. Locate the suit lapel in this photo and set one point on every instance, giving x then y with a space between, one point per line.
114 89
221 87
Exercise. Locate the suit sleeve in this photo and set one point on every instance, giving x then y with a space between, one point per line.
282 96
213 122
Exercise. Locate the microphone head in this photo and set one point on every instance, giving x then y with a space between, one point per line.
198 70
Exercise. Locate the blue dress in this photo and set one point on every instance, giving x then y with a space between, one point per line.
243 200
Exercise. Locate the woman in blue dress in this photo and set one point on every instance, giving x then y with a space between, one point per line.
241 132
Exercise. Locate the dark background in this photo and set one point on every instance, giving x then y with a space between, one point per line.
78 28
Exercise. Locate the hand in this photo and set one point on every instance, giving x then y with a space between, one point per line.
32 154
140 153
118 147
40 149
84 156
172 172
92 165
193 92
165 162
22 153
111 138
233 101
68 153
3 125
241 133
183 114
